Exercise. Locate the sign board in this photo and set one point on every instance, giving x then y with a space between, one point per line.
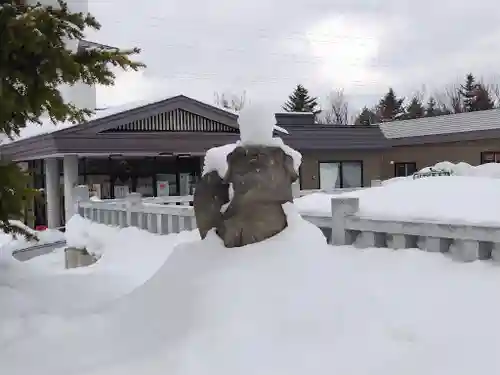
432 173
162 188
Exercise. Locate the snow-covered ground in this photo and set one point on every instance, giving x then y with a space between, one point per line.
290 305
470 195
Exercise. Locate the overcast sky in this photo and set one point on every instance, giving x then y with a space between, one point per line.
266 47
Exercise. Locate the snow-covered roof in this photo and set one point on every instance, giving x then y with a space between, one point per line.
47 126
442 125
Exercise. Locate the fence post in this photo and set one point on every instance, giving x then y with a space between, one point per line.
132 201
80 194
342 207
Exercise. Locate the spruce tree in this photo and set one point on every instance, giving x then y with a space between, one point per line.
366 117
390 106
475 96
34 63
432 109
468 93
301 101
415 109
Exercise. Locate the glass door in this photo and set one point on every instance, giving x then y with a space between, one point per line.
329 176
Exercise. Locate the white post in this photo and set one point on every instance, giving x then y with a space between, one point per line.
70 171
133 200
80 194
52 193
341 207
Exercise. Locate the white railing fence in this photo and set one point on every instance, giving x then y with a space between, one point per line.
161 216
165 215
463 242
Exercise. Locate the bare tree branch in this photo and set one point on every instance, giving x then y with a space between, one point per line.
449 100
337 111
494 91
230 101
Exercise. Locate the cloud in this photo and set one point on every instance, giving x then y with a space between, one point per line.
267 47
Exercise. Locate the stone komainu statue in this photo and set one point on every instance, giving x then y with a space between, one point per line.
261 178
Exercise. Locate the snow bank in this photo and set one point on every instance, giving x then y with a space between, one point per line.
119 249
491 170
291 305
450 199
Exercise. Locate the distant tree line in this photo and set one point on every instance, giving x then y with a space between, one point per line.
472 95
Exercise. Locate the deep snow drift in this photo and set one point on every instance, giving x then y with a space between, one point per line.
290 305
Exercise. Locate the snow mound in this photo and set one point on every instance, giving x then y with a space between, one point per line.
291 305
449 199
491 170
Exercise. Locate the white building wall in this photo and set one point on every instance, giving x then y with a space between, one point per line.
82 95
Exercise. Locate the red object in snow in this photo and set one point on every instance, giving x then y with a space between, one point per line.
40 228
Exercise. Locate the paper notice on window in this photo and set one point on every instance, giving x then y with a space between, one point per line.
162 188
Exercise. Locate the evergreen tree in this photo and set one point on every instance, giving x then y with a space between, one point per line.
390 106
468 92
415 109
432 108
34 62
475 96
367 117
301 101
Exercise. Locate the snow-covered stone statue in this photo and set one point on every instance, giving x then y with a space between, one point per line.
245 185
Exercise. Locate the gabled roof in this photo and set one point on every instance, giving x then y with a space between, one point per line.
111 114
175 124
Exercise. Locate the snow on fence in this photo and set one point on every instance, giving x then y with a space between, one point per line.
163 215
464 242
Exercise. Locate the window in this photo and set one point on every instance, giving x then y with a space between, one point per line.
404 169
490 157
340 174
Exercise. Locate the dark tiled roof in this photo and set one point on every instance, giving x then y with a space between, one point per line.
332 137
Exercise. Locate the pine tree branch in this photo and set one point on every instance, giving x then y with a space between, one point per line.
35 61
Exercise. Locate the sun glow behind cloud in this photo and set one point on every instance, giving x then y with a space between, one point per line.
346 50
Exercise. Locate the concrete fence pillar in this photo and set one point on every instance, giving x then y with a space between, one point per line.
342 207
133 201
80 194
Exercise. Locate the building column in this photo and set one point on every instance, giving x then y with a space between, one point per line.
52 189
70 171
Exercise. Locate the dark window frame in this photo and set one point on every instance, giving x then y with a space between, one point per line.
406 164
496 157
341 175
